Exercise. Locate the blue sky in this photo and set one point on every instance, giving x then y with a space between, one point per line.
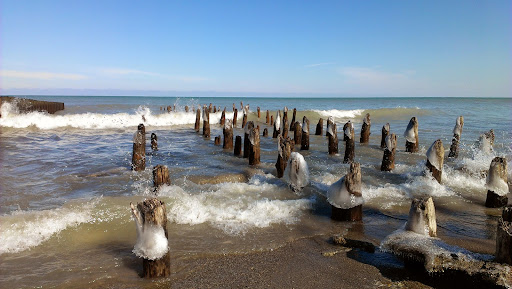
339 48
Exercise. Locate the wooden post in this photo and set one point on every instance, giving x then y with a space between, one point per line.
152 237
487 141
169 109
217 140
210 108
348 131
305 134
457 131
154 142
277 125
214 109
139 149
388 160
238 145
411 136
297 133
206 122
234 107
235 116
332 135
254 146
319 127
422 216
284 151
259 113
198 120
186 108
223 117
161 176
265 132
435 158
504 237
365 130
385 133
345 196
228 134
267 120
292 124
249 126
497 186
244 118
285 122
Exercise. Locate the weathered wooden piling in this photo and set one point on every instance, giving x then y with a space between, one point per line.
304 145
217 140
320 127
365 130
29 105
497 186
152 237
435 158
277 125
186 108
343 192
210 109
292 124
285 148
139 149
297 133
247 130
206 123
238 145
271 120
154 141
235 116
411 136
388 159
198 120
161 176
259 112
244 118
504 237
214 109
332 136
285 122
457 131
422 217
265 132
385 133
348 136
254 146
223 117
228 134
487 141
267 119
169 109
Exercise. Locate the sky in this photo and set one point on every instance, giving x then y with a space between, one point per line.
310 48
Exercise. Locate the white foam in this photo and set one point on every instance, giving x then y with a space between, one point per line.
296 173
151 242
340 115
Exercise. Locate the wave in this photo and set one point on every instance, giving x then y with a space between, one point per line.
356 115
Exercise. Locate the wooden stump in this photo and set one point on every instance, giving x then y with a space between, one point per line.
259 113
297 133
351 215
238 145
504 237
139 149
210 108
352 185
292 124
411 136
305 134
487 141
284 152
277 125
254 146
271 120
348 136
169 108
235 116
332 135
206 123
248 128
435 158
365 130
228 135
457 131
285 122
198 120
385 133
422 217
388 160
223 117
154 142
497 186
186 108
265 132
244 119
267 119
161 176
319 127
217 140
148 215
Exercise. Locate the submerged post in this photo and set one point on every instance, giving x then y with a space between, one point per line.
435 158
497 186
365 130
238 145
154 142
285 148
385 132
152 238
305 134
161 176
206 122
332 135
198 120
297 133
348 132
345 196
388 160
247 130
457 131
254 146
277 125
139 149
504 237
272 120
411 136
228 134
319 127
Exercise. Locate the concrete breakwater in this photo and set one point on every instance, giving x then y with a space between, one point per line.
28 105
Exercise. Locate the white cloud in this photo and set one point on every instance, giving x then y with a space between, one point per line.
43 75
318 64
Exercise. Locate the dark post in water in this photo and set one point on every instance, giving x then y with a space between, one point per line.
319 127
206 122
297 133
348 132
350 185
292 124
332 135
235 116
228 135
238 145
388 160
139 149
198 120
457 131
254 146
305 134
267 119
161 176
435 158
265 132
154 142
504 237
247 130
284 151
411 136
365 130
277 125
385 132
285 122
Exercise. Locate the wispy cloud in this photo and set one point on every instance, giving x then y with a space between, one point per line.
42 75
124 71
319 64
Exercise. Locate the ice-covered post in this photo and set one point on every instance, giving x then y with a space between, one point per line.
235 116
198 120
348 136
285 122
411 136
305 134
228 134
292 124
254 146
277 125
139 149
388 159
152 238
265 132
206 122
285 147
385 132
319 127
504 237
435 158
497 186
296 173
161 176
487 141
238 145
267 118
365 129
223 117
422 217
154 142
247 130
345 196
457 131
332 135
297 133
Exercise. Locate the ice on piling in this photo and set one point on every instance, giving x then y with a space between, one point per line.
434 156
329 126
151 241
228 124
296 173
305 126
339 196
495 181
458 126
277 122
390 143
348 130
409 133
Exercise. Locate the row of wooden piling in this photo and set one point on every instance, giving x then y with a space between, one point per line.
29 105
